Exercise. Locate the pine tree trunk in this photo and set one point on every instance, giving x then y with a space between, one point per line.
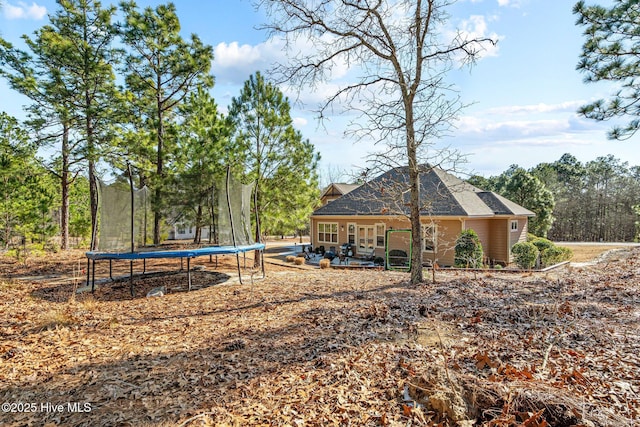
64 184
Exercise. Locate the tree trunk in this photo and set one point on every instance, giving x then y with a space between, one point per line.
198 235
414 185
256 257
93 196
64 184
159 167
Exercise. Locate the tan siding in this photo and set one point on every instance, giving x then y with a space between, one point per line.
483 228
499 247
520 235
448 231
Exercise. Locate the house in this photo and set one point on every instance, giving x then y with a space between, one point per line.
186 231
449 205
335 190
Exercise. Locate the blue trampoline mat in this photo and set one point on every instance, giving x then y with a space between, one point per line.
181 253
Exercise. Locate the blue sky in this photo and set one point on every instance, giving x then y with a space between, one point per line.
523 95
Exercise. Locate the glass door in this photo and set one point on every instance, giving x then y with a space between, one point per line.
365 239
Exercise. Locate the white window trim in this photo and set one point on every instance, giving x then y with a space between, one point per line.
325 233
354 234
375 232
517 223
435 238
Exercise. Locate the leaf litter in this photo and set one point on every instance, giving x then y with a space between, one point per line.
326 347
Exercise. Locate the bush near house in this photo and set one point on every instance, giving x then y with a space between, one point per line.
550 254
468 250
541 243
525 254
555 255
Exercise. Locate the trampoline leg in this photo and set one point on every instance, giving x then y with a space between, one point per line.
144 265
110 270
189 271
133 293
88 268
239 273
93 275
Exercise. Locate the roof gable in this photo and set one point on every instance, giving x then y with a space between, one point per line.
338 189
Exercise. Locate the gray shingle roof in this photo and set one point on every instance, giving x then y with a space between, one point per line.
442 194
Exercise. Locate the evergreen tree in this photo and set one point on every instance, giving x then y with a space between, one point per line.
277 158
611 53
528 191
26 191
78 44
162 68
204 151
40 75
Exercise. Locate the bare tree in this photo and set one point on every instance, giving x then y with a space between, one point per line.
401 54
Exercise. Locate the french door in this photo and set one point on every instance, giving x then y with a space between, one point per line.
365 238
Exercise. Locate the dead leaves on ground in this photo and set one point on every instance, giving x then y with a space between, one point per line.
331 347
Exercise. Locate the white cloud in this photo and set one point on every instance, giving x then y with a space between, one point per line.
24 11
510 3
475 27
235 63
568 106
537 124
299 122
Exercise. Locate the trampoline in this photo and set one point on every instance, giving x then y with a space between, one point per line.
123 229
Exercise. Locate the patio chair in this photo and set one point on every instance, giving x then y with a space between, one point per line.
367 254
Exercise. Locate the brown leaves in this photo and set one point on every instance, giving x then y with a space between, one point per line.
331 348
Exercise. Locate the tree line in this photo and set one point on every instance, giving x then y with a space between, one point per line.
594 201
113 89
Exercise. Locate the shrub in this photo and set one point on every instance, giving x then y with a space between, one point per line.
542 244
551 254
525 254
468 250
299 260
497 267
290 258
555 255
325 263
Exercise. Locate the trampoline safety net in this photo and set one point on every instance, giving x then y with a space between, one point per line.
232 207
115 217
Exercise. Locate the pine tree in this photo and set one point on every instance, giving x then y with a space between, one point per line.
162 68
277 158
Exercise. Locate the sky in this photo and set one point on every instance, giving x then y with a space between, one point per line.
521 96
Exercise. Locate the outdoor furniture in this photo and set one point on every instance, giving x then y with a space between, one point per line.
367 254
329 255
308 252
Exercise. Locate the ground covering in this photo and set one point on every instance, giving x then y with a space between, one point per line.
322 347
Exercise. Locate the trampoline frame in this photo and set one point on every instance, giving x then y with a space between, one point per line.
93 256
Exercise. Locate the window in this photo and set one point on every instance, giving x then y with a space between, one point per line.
181 230
514 225
328 232
429 238
380 229
351 233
